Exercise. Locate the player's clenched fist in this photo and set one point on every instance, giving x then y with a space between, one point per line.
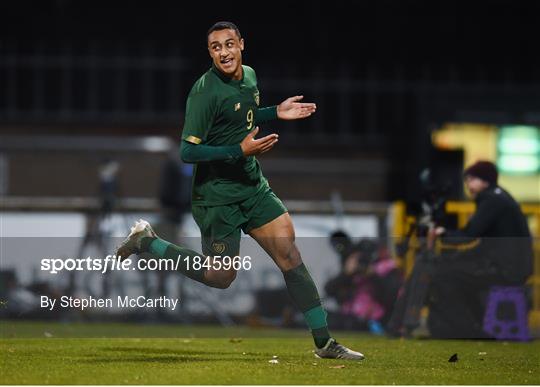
251 146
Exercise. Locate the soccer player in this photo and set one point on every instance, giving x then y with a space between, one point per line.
229 192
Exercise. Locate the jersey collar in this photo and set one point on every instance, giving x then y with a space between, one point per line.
227 79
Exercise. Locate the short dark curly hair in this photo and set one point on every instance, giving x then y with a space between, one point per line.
224 25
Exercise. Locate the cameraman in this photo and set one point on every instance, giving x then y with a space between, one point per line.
501 256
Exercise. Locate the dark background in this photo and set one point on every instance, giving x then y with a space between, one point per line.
383 73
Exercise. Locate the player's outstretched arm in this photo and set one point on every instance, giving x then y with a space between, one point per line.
251 146
292 109
200 153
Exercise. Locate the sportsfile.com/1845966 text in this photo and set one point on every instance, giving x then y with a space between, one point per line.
112 263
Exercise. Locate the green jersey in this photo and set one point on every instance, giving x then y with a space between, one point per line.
222 111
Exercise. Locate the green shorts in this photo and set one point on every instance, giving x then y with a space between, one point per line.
220 225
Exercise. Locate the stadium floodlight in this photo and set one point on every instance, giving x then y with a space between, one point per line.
518 149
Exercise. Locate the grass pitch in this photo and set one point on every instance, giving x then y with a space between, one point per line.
53 353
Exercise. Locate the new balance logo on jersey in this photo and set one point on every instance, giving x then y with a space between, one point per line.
237 106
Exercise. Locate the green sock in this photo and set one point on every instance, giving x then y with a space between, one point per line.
166 250
304 293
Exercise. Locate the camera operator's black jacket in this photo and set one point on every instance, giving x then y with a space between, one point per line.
505 244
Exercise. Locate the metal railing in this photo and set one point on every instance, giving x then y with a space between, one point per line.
108 85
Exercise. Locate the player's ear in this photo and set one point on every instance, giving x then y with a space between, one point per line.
241 44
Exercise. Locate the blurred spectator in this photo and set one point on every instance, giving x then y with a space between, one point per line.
501 256
97 228
366 287
108 185
174 193
174 190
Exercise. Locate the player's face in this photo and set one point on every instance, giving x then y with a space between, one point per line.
475 185
225 48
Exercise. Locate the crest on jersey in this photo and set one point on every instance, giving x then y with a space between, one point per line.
257 98
218 247
237 106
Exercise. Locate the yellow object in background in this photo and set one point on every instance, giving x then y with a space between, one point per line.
479 142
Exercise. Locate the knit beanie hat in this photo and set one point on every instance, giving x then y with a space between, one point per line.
484 170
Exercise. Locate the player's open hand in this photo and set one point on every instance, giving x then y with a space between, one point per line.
251 146
292 109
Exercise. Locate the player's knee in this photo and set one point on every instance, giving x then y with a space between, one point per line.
290 259
294 255
225 279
